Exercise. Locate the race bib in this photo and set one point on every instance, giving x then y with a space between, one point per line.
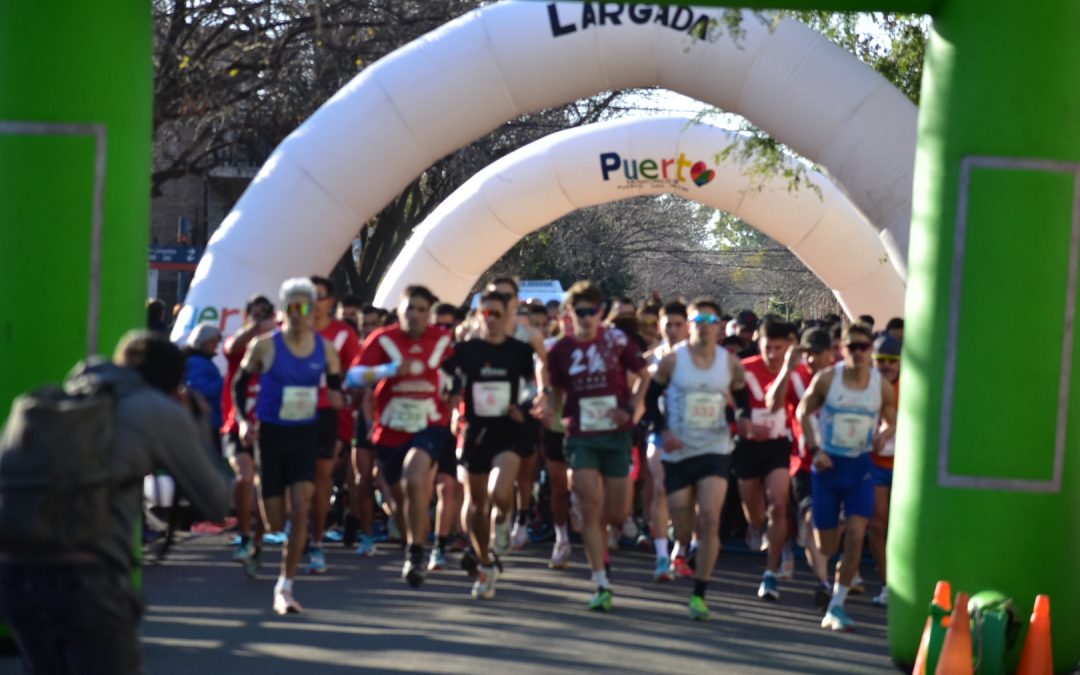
851 431
491 399
705 410
776 422
594 413
298 403
407 414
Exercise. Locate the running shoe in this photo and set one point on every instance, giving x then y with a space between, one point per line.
437 561
366 547
882 598
787 569
519 536
316 561
699 611
755 539
664 571
469 563
601 600
681 567
392 531
244 550
560 556
413 573
285 603
334 536
251 564
769 589
484 586
836 619
502 537
822 596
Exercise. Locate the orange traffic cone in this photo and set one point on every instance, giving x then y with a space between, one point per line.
936 623
1038 657
956 652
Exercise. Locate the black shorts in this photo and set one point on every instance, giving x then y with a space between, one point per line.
483 442
553 446
687 473
234 447
528 438
361 439
448 461
800 490
326 426
757 459
435 441
286 455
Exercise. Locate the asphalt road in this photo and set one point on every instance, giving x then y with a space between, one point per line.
203 616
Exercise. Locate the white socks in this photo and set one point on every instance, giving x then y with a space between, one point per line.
600 579
839 595
283 584
562 534
661 547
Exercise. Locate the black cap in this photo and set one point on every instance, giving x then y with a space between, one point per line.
887 346
816 340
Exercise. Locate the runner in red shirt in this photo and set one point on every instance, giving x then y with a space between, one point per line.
887 360
588 373
801 363
761 460
332 424
411 426
258 320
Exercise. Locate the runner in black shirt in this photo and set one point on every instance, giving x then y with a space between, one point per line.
491 368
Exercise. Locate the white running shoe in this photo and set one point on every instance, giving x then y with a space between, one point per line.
560 556
484 586
502 537
882 598
519 536
755 539
285 603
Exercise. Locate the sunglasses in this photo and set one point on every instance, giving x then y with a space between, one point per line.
706 319
583 312
447 326
858 346
491 313
303 308
323 297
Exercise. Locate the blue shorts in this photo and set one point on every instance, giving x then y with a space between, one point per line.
847 484
882 477
435 441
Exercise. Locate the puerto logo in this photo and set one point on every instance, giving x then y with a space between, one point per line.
673 170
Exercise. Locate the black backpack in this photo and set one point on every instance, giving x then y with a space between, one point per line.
55 482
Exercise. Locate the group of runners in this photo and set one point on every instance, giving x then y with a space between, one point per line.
433 406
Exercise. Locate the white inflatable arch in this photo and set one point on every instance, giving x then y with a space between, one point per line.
439 92
605 162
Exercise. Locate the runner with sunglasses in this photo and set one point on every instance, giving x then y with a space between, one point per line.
887 361
853 398
588 372
491 368
696 380
291 362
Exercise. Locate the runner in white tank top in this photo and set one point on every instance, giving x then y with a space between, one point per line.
699 379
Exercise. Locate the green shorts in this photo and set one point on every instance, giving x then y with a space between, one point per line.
607 453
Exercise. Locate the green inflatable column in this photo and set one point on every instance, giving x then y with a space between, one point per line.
75 128
986 489
75 116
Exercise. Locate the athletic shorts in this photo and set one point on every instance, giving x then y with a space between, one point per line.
286 455
483 442
801 490
435 441
528 436
881 476
607 453
757 459
688 472
448 460
326 425
553 442
234 447
849 484
361 429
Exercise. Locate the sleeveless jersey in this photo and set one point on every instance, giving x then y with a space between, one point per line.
850 416
797 386
758 379
289 391
695 402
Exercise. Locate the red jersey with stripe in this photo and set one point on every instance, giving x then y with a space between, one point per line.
230 424
798 383
408 403
758 379
885 458
593 374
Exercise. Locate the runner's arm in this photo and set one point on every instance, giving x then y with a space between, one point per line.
888 411
333 376
777 392
255 360
653 415
811 402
